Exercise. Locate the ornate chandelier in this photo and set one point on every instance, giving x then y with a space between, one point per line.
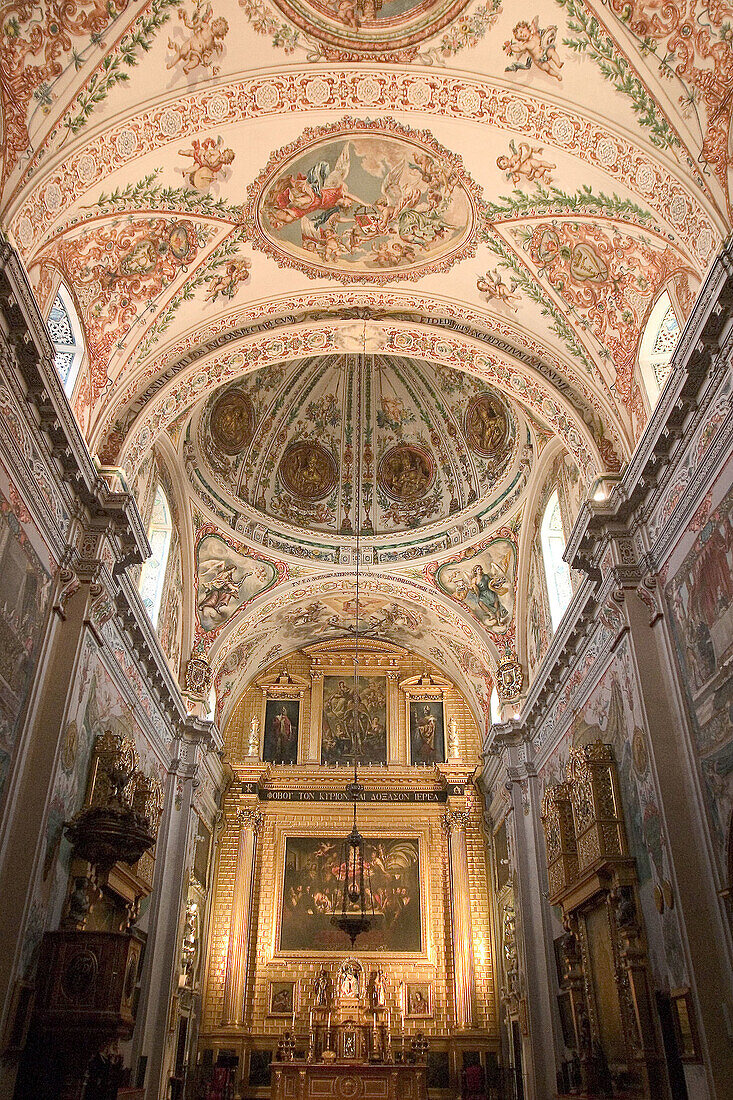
353 910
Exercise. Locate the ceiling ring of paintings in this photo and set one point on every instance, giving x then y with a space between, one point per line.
364 200
396 459
385 30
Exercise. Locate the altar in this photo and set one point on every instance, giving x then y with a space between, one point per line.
347 1080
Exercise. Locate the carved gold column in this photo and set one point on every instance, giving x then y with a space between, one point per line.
395 748
314 747
250 823
464 983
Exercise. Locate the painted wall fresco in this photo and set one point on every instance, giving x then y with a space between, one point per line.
484 583
311 889
226 579
285 441
612 713
699 596
351 202
354 720
25 589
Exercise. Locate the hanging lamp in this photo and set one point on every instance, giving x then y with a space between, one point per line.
353 910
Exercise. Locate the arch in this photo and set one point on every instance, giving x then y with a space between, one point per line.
67 337
658 341
557 571
152 574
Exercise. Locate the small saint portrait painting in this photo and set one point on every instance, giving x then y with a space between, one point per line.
354 720
427 734
418 1000
282 998
282 717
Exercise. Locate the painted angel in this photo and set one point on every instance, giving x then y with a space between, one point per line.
322 192
534 45
524 161
493 286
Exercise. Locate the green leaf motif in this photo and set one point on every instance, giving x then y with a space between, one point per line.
595 43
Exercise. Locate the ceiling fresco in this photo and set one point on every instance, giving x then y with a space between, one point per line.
364 200
480 206
387 444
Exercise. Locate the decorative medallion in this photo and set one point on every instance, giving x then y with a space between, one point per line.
232 422
79 976
487 427
364 200
509 680
378 30
406 472
307 470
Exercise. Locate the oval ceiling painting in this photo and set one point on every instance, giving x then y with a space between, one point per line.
384 30
366 201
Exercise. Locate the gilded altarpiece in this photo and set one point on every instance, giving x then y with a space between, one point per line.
423 831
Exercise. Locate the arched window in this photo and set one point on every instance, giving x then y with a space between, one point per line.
657 345
152 575
556 570
495 708
67 338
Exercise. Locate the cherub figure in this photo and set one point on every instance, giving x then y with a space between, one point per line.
209 159
533 45
227 282
493 286
205 41
525 162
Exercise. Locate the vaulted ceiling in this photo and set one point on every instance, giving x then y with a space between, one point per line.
476 207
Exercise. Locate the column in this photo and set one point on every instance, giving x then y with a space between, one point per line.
395 753
464 984
313 756
250 823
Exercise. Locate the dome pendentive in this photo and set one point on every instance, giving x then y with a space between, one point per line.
420 447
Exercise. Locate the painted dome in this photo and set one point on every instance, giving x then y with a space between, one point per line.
397 446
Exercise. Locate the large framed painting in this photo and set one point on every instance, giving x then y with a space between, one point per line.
427 731
310 891
354 714
282 719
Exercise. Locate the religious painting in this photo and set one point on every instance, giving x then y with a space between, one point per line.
226 580
484 583
231 421
282 719
354 720
406 472
349 30
282 998
307 470
312 889
427 733
418 1000
259 1068
359 203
